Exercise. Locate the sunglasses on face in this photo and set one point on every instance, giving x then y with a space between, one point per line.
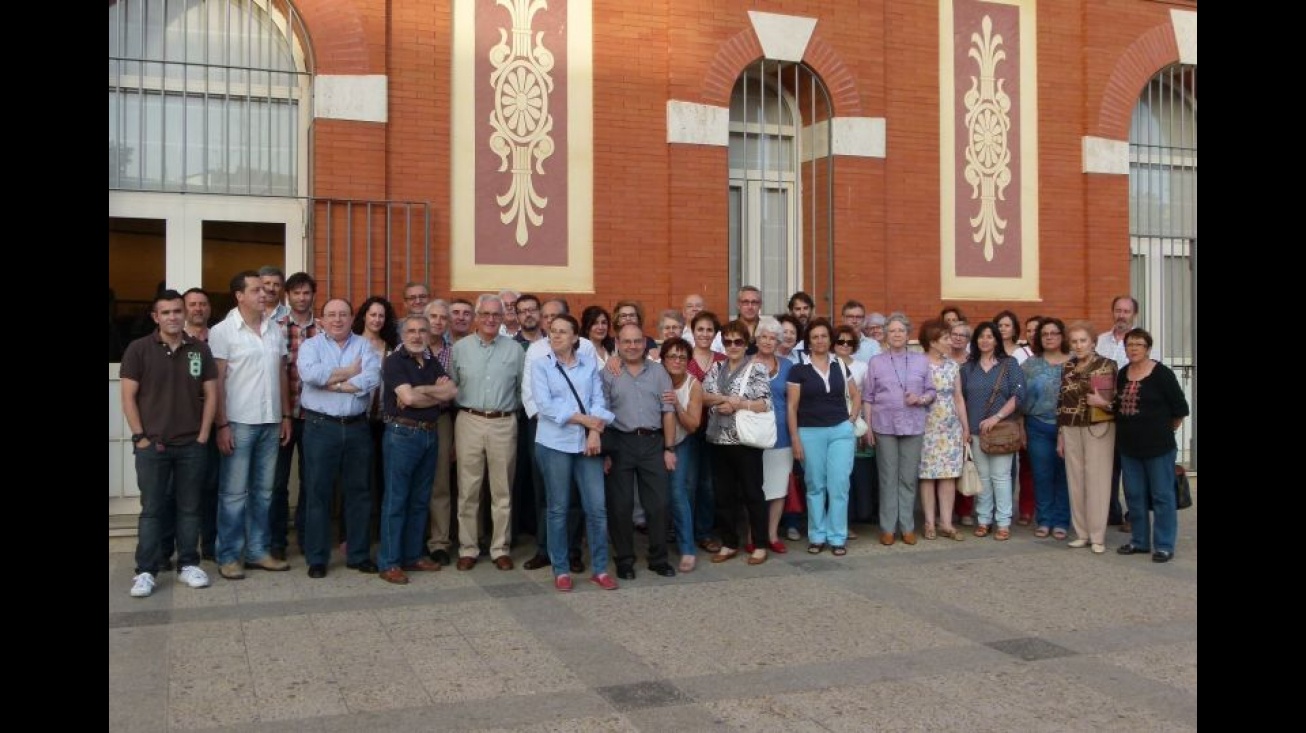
844 342
734 342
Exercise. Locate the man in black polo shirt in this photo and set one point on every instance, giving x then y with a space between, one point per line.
641 445
417 389
169 396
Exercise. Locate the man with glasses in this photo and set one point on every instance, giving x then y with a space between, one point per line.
854 314
749 302
528 318
487 369
510 325
416 296
631 312
529 474
1124 311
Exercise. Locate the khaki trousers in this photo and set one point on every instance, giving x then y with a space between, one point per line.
485 443
441 497
1089 453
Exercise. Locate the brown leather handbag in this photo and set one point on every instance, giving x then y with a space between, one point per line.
1007 435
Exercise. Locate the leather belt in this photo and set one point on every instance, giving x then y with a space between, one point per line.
410 423
314 414
489 413
642 431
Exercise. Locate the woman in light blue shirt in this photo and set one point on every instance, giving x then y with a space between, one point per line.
573 412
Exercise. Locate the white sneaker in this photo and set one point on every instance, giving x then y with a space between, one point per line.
194 577
143 585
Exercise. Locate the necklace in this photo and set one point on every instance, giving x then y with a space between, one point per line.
902 377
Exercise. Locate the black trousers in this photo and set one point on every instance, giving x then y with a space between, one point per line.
637 461
737 478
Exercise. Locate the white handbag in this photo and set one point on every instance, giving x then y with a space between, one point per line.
859 425
969 483
756 429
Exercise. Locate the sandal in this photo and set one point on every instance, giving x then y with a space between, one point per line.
1042 532
982 530
930 534
725 554
1003 534
838 550
951 534
687 563
709 545
1059 533
1024 520
815 548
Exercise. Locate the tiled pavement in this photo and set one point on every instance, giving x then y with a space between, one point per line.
1024 635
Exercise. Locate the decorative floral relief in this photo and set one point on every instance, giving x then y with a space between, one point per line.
988 127
520 117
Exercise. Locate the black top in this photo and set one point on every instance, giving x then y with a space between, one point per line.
1146 411
399 368
820 406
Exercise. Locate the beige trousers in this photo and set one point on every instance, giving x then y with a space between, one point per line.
485 443
441 502
1089 452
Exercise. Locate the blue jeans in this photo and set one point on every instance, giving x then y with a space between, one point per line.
334 451
170 478
827 468
559 471
409 475
279 511
704 498
1051 492
683 481
245 491
1151 478
995 478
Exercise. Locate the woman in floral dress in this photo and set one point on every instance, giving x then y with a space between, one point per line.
945 433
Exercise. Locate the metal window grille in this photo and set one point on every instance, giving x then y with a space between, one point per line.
365 248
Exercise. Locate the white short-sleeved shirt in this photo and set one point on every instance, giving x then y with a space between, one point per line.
256 364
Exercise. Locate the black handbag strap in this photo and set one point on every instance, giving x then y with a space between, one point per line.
574 393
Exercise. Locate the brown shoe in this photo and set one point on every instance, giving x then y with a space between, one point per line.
886 538
503 562
909 538
278 553
267 562
537 562
394 575
232 571
466 563
423 564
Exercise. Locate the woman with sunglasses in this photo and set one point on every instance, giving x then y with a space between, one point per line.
896 399
732 386
821 435
861 503
1043 394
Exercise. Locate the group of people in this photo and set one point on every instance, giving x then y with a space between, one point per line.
418 418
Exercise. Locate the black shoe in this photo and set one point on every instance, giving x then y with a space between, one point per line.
537 562
626 572
317 571
663 569
366 566
278 553
441 557
1129 549
1162 556
577 565
209 555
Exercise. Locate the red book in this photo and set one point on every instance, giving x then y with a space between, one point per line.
1105 387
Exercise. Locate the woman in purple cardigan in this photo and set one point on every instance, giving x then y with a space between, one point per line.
896 398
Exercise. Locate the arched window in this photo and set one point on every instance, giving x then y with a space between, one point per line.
206 96
1163 226
781 221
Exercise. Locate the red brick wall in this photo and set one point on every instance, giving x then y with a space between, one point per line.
660 218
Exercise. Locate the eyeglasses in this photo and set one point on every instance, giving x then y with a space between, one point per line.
734 342
675 357
844 342
750 302
527 311
417 297
488 314
1045 334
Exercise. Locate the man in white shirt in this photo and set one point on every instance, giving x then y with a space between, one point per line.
253 419
1124 311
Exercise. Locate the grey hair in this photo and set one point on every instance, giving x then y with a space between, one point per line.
674 315
403 323
515 295
769 324
898 317
484 298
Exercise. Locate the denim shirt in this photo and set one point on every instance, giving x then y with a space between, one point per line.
557 404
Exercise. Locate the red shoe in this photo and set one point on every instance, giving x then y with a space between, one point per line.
562 583
604 581
779 548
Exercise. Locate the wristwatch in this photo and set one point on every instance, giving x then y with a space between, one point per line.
138 437
669 448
